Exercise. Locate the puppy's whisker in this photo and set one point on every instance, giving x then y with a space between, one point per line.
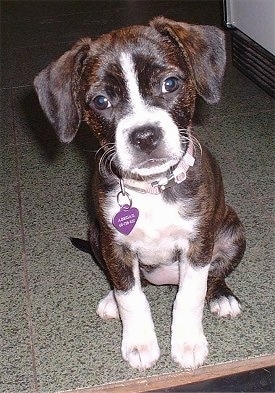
186 138
196 143
104 148
106 159
112 156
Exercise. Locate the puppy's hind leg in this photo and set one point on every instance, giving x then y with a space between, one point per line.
107 307
228 252
221 299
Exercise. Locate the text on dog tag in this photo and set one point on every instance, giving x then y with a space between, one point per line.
125 220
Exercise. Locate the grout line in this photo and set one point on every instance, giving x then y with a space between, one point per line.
24 255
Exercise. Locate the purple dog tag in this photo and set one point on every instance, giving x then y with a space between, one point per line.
125 220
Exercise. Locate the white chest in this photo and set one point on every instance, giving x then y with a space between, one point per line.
159 230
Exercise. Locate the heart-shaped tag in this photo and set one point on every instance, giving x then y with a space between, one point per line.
125 220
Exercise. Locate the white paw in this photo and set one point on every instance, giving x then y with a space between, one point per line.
189 352
140 352
107 307
225 306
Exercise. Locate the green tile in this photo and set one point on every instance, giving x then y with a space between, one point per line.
9 200
54 187
28 61
6 118
65 288
227 107
269 205
259 226
4 64
234 186
16 368
78 349
237 86
8 166
9 212
239 96
248 141
31 126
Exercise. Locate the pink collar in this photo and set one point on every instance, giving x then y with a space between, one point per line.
178 175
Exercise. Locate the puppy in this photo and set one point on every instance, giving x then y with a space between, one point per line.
161 212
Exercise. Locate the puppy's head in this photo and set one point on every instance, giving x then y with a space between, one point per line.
136 89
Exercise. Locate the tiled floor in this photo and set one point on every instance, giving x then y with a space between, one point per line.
51 338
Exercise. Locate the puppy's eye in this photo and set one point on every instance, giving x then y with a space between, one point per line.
170 85
101 103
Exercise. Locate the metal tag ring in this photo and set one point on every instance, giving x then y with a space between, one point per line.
126 196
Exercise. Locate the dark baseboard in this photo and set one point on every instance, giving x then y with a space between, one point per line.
260 380
254 61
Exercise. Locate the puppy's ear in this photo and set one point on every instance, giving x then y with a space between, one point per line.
204 49
57 87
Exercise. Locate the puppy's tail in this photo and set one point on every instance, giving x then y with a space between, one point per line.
82 245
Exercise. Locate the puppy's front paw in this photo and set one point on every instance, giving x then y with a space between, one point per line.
225 306
107 307
140 352
189 352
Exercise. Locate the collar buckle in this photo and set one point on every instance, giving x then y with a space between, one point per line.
163 184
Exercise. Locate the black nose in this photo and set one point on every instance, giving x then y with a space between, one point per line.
146 138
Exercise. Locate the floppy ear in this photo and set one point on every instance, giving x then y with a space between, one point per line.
57 87
204 49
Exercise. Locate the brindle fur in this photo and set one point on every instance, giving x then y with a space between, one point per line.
199 53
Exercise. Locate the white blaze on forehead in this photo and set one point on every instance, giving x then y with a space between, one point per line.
131 79
143 114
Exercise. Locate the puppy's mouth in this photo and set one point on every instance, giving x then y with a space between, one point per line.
154 166
152 162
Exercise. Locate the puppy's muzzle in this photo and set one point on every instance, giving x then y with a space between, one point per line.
146 138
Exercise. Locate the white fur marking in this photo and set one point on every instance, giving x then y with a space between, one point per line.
139 342
159 230
188 344
128 69
225 307
107 307
142 114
